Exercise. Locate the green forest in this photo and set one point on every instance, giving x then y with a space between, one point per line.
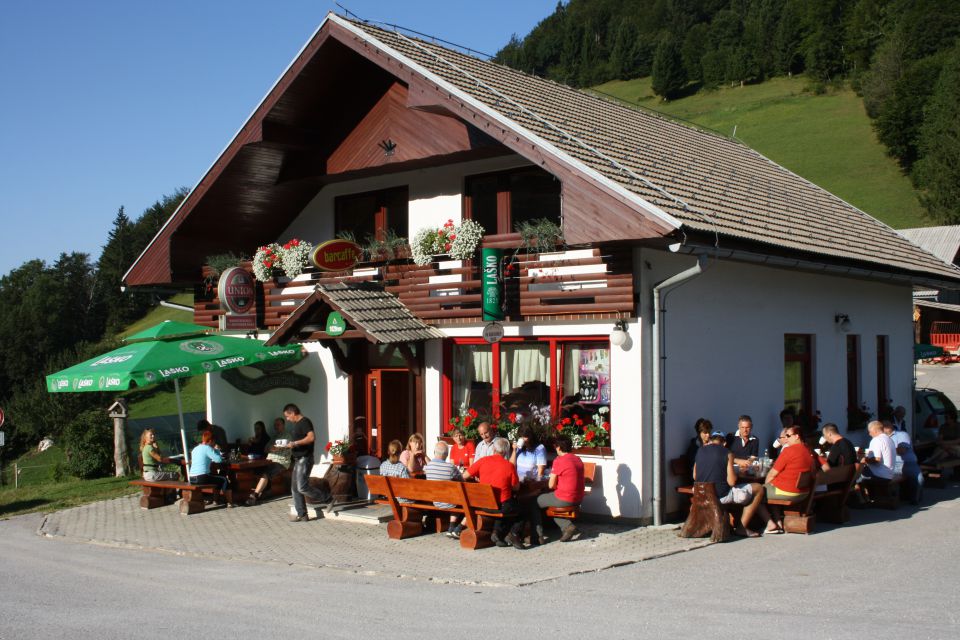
56 315
900 56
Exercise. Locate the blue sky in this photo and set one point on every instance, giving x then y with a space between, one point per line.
107 102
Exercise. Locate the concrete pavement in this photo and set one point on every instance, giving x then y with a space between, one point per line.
263 533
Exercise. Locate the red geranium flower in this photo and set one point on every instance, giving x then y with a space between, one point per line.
513 417
565 421
578 422
472 413
606 426
589 436
559 427
467 420
329 444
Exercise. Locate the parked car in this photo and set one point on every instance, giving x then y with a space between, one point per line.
929 408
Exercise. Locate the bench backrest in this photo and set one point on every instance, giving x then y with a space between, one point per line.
427 490
837 475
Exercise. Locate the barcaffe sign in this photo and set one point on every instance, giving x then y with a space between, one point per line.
236 290
336 255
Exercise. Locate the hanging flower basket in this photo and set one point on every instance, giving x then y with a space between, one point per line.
459 241
273 259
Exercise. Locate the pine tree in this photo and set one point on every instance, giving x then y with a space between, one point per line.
937 172
669 75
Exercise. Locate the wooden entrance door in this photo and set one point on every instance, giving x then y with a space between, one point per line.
389 409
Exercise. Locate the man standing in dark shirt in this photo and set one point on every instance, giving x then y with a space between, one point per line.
742 444
301 441
841 450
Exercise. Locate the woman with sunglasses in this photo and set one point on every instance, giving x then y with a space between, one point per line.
784 477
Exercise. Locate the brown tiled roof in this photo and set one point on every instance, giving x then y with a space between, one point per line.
376 313
704 181
943 242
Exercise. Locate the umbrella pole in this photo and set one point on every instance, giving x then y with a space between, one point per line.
183 431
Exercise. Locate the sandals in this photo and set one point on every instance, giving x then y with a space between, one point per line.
252 500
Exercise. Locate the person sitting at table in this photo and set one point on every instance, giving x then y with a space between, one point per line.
841 451
463 450
880 456
257 445
715 464
488 437
703 429
392 466
529 456
414 457
201 458
948 439
280 459
566 485
279 431
744 446
496 471
219 434
439 469
151 459
783 479
909 465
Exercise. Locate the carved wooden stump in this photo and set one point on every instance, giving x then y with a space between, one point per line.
341 482
707 516
191 501
470 539
153 497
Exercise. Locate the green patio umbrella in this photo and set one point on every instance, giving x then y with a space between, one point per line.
924 351
167 351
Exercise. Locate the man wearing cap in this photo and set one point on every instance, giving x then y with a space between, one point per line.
714 463
909 465
744 446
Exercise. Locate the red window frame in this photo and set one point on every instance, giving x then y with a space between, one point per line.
556 367
853 372
806 360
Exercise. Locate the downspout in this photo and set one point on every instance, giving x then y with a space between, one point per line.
660 293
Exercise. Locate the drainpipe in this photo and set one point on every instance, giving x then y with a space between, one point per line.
660 293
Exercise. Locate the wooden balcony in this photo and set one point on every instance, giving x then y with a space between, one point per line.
576 283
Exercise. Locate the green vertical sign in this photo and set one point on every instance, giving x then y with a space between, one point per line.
336 325
491 278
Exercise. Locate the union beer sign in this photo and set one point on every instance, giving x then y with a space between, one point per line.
336 255
236 290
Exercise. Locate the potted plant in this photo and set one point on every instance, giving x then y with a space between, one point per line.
467 422
290 258
267 262
339 451
540 235
459 241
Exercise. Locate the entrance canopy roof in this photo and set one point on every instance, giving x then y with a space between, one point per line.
377 315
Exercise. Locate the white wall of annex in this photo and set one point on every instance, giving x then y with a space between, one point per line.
435 197
324 403
724 343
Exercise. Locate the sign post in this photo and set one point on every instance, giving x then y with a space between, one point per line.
491 270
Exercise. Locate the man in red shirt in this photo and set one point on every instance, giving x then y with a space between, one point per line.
497 471
566 482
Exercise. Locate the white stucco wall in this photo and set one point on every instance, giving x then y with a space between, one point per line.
724 343
435 197
325 403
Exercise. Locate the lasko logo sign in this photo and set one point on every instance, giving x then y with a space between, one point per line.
236 290
336 325
336 255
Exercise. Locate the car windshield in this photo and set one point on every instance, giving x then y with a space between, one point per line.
935 402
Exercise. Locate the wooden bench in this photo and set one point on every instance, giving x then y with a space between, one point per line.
472 499
155 494
934 473
572 513
797 515
881 493
831 505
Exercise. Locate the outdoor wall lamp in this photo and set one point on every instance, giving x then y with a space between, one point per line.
619 334
842 320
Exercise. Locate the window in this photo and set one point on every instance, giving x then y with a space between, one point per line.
797 378
883 389
568 375
501 201
853 372
372 215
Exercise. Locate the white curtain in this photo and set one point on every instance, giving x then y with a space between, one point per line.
470 363
571 370
523 363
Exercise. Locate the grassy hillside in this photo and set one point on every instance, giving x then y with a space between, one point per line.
157 400
827 139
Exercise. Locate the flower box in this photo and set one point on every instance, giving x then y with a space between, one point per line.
603 452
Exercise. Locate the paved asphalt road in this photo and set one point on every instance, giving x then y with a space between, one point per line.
894 571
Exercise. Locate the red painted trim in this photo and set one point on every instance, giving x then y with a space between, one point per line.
496 380
555 362
446 381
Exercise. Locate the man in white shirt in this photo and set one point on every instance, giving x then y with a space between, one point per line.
880 455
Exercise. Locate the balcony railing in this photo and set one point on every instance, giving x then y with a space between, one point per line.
593 282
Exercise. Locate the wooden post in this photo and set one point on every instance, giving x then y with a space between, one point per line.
121 460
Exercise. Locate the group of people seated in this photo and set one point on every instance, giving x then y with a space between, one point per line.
724 459
517 471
